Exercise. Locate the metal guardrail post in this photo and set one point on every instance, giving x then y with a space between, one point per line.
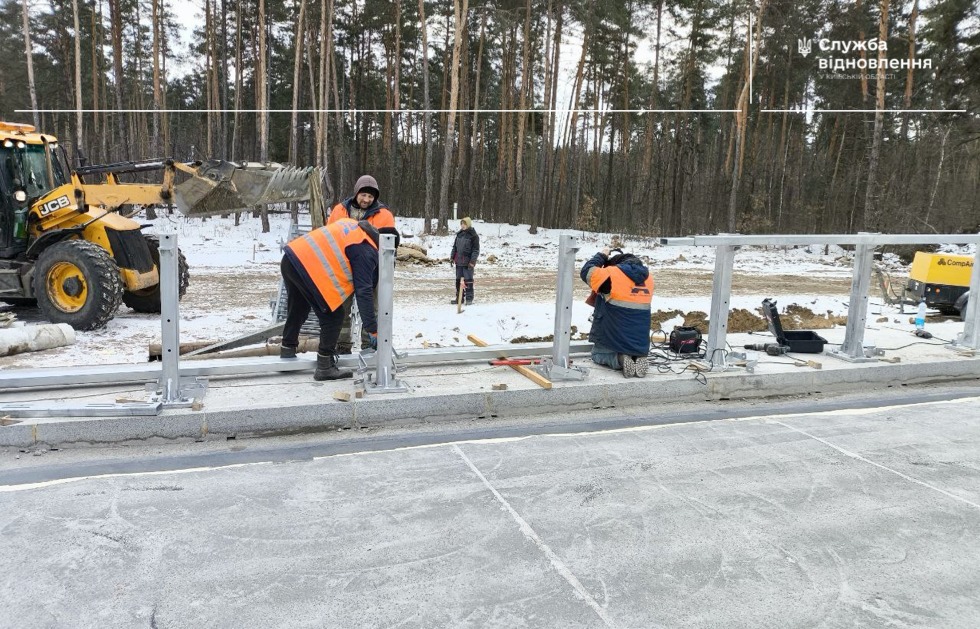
559 367
171 391
970 338
169 318
384 376
721 294
853 350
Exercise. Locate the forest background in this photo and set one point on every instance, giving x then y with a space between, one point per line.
641 116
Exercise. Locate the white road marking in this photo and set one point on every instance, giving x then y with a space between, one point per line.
550 554
62 481
858 457
492 440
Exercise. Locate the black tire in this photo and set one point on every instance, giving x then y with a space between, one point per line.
77 282
148 299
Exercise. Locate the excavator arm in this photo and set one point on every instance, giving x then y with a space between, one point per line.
200 188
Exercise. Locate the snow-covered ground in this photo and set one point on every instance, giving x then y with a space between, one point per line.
235 275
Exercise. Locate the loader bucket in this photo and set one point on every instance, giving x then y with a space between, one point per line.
219 187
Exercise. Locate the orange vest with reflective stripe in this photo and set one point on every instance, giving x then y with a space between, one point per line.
321 252
382 218
623 292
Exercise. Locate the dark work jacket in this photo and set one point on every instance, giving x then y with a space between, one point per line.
363 260
620 325
466 249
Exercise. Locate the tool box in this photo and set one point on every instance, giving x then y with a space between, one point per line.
799 341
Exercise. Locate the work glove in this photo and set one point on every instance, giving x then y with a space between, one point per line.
373 340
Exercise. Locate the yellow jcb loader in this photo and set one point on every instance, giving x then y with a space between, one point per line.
64 246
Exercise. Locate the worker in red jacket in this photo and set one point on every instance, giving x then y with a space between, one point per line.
620 333
364 205
321 270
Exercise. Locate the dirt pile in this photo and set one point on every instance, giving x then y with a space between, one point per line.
794 317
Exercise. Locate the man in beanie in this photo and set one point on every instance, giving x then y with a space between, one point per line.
466 249
321 270
620 331
364 205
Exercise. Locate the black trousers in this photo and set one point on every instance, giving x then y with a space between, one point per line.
465 274
299 302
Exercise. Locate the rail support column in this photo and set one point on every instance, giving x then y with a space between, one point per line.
853 349
970 337
721 295
559 366
171 390
384 380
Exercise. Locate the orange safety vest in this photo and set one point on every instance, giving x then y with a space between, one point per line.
321 253
382 218
623 293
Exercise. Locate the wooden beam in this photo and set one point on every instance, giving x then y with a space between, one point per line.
530 374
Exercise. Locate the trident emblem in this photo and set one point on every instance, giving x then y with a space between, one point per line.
804 46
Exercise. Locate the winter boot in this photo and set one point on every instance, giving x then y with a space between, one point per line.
287 352
629 365
642 366
326 368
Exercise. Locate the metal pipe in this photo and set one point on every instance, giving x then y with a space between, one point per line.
777 240
107 375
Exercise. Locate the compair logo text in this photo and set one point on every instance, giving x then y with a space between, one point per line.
952 262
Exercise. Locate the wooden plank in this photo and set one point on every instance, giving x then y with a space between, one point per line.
530 374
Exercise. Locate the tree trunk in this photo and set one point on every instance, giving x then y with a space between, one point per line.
907 102
29 51
261 83
459 15
741 120
239 84
870 219
427 121
300 46
115 18
522 116
79 130
157 104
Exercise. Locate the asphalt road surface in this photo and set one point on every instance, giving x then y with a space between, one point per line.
833 512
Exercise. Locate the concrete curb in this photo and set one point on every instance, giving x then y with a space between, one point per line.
185 424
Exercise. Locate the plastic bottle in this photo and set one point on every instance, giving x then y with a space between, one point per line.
920 316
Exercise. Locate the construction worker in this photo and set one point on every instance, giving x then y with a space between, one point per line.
622 289
364 205
321 270
466 249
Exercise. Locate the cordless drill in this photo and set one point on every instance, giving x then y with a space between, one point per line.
772 349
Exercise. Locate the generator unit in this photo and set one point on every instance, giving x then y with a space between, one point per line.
940 279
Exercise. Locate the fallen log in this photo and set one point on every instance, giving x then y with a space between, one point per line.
34 338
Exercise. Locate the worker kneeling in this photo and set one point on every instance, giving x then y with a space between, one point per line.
321 270
622 291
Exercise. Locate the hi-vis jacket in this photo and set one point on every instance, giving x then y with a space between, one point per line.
336 261
621 321
378 214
